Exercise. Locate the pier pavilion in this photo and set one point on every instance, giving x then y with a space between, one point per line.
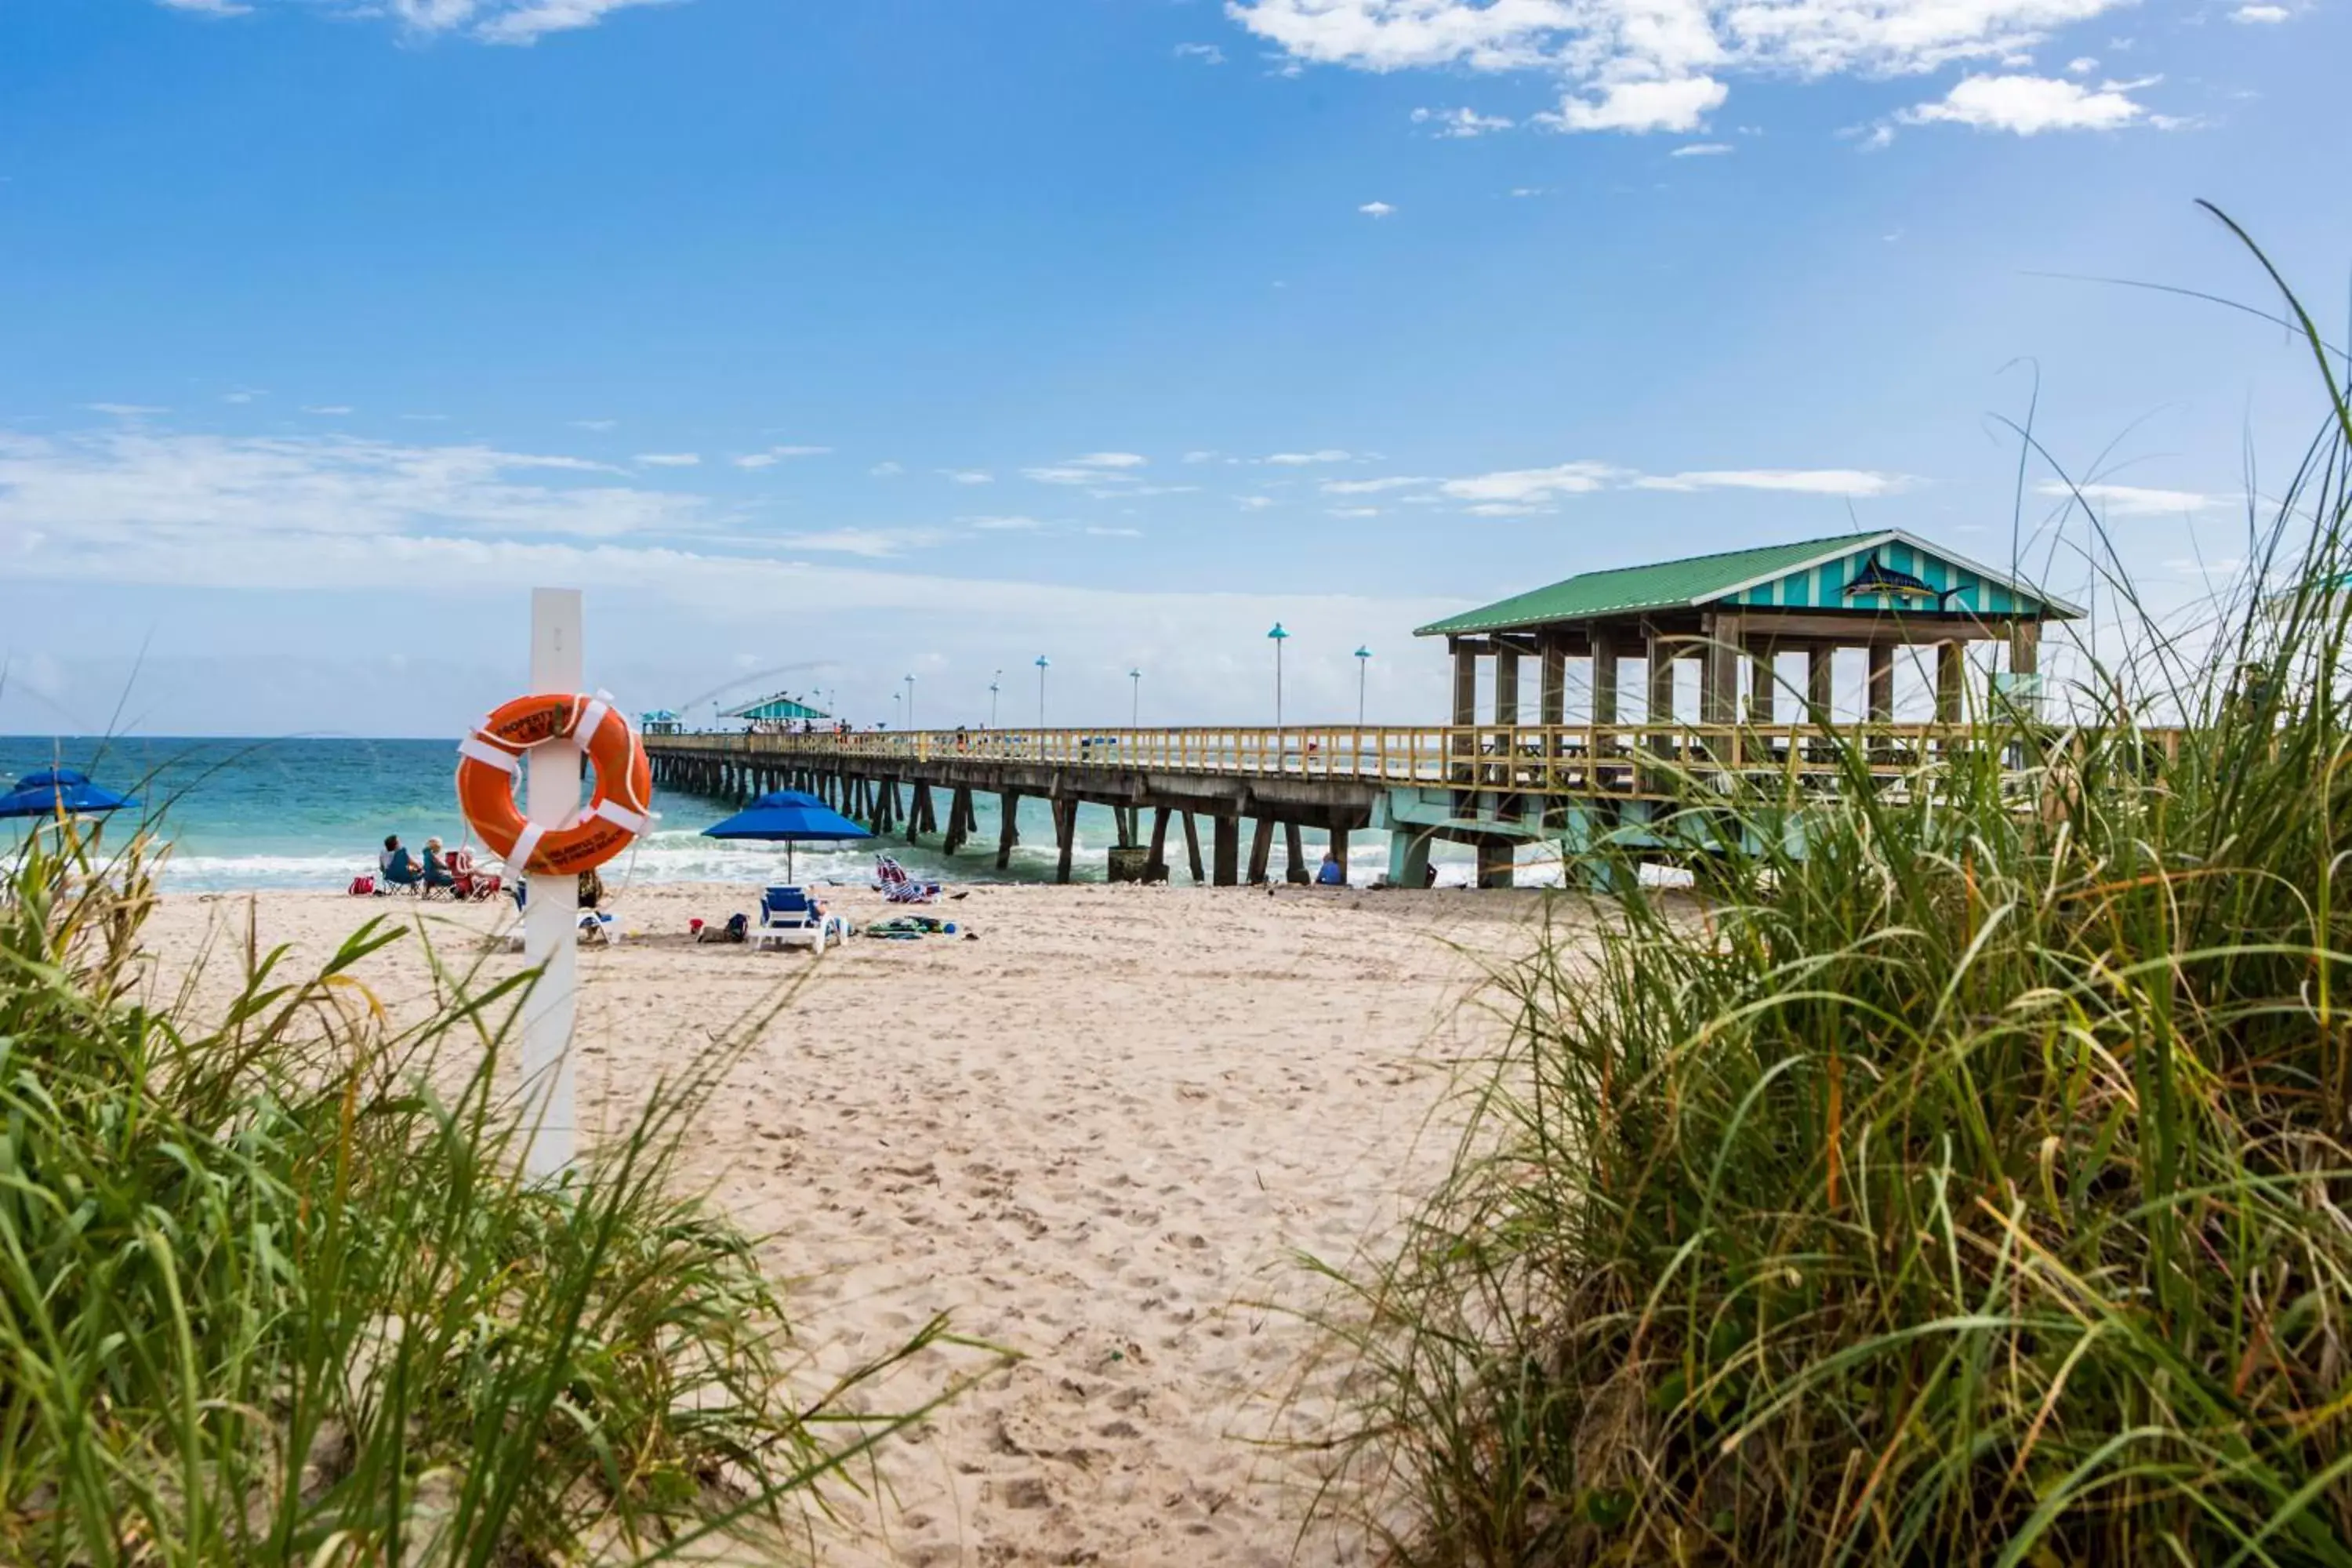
768 712
1572 768
1767 610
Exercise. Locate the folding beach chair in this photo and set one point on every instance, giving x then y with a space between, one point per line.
899 888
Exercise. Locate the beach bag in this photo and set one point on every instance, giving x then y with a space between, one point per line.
362 886
739 928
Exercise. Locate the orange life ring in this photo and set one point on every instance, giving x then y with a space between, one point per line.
616 813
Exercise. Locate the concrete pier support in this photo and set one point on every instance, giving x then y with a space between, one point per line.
1008 830
1408 858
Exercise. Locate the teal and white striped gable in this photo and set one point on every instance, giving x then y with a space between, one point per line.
1849 579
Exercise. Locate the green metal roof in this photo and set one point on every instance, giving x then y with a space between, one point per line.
1807 573
771 710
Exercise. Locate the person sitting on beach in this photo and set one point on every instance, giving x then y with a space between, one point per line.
1331 873
437 874
397 865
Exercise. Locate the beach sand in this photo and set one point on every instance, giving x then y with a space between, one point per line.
1101 1134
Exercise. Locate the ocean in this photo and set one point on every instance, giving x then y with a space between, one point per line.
245 814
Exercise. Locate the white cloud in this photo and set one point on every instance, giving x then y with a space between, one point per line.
1460 123
1301 459
2082 65
125 410
134 488
969 475
669 459
1372 487
1701 150
771 456
1680 104
2030 105
1800 481
1506 509
329 410
1531 486
533 19
485 21
1116 532
1207 54
1003 524
2135 501
241 397
872 543
1200 457
1376 210
1652 65
1254 503
2257 15
1354 510
1091 469
887 469
594 423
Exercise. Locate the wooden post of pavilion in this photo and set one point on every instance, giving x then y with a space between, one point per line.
1465 715
1951 681
1719 679
1602 640
1660 717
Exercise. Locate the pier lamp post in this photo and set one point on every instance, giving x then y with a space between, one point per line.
1279 637
993 683
1043 663
910 702
1363 663
1134 702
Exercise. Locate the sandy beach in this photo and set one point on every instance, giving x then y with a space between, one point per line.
1100 1134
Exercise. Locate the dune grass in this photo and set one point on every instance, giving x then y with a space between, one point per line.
1972 1188
271 1290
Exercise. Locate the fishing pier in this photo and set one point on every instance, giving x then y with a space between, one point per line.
1761 630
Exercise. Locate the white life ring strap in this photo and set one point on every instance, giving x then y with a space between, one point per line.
475 749
621 817
590 713
525 845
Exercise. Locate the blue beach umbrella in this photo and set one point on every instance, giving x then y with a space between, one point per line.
59 792
787 817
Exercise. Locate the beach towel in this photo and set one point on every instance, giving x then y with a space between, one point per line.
908 928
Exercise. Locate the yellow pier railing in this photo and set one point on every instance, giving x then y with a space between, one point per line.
1551 759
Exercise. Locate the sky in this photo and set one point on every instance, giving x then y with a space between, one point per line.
828 345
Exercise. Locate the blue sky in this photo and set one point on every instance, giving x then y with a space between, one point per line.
903 337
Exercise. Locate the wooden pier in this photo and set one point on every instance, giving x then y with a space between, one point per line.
1654 785
1580 787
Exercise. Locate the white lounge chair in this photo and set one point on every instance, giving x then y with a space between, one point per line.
789 915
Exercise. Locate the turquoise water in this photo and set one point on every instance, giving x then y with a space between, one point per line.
313 814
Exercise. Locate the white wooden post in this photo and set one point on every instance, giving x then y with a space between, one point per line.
551 914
